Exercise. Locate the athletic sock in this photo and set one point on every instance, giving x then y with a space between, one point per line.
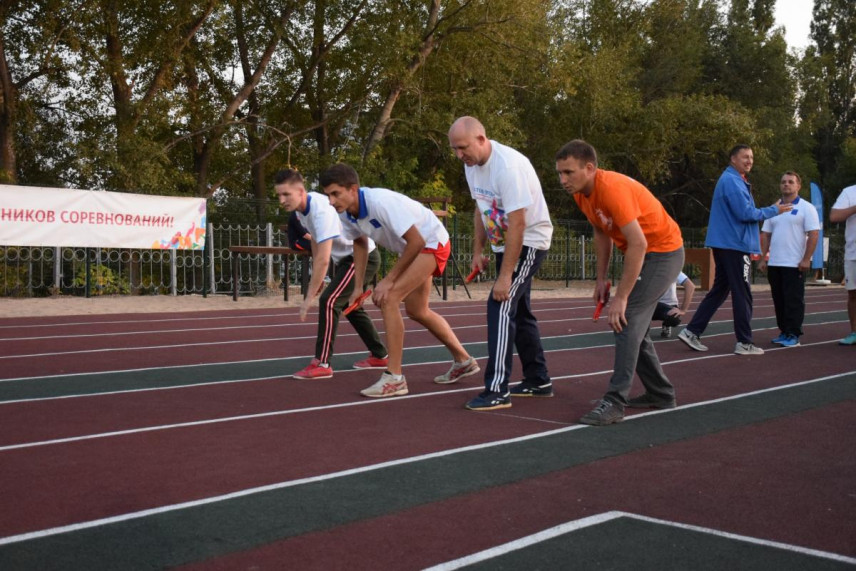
393 375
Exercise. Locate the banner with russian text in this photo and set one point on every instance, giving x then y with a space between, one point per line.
36 216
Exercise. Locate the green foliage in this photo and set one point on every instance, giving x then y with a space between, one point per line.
159 96
102 280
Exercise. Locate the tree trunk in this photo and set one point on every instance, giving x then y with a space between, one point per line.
8 108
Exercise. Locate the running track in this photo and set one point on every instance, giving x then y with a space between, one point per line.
156 441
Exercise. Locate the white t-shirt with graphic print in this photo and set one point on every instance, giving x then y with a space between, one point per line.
505 183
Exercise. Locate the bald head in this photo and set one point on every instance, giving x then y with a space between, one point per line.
468 139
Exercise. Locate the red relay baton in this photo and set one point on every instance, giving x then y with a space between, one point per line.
601 303
473 275
357 303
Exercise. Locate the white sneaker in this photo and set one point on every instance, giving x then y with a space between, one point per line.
691 339
458 371
747 349
387 386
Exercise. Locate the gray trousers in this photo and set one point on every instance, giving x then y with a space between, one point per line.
634 350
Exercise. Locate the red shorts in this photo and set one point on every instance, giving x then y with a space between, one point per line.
441 255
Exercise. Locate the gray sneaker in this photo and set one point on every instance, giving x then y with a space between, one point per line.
604 413
747 349
691 339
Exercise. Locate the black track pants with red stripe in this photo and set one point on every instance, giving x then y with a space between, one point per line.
334 299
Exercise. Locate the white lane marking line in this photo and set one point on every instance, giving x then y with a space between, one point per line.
575 525
527 541
282 377
201 317
286 412
372 467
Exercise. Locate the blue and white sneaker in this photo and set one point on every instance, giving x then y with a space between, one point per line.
488 400
778 340
790 341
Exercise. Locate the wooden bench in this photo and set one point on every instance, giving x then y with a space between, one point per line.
703 258
285 252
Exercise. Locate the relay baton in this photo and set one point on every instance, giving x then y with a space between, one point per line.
473 275
358 303
601 303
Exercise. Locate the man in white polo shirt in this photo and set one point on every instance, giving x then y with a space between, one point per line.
510 213
313 210
843 210
409 229
790 239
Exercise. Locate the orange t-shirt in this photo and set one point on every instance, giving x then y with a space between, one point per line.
617 200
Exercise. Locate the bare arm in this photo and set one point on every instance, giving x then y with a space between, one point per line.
479 239
320 264
603 255
810 245
765 248
513 246
361 259
689 291
841 214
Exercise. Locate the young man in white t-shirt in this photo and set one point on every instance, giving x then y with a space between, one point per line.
512 215
844 209
790 239
409 229
668 311
325 229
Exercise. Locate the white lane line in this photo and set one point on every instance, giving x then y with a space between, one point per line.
571 526
266 378
372 467
275 413
291 317
285 312
236 327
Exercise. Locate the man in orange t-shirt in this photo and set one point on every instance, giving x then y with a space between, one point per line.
624 212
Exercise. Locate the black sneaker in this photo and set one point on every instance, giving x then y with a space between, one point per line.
605 413
489 401
527 389
648 401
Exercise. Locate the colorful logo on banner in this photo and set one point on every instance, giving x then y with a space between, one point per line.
192 239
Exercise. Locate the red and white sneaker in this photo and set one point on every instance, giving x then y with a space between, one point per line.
458 371
315 370
387 386
372 363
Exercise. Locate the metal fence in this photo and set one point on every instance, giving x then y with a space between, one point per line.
45 271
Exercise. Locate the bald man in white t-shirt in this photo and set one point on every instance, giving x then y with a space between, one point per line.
510 214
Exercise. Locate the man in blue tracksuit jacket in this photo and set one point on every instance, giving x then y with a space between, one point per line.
732 234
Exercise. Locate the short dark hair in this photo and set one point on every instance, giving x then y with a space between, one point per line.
579 150
736 149
341 174
795 175
287 176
